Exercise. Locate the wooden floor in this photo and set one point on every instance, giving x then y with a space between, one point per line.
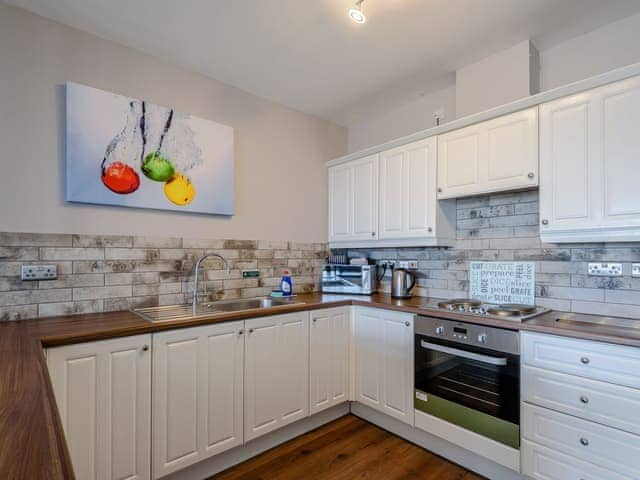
348 448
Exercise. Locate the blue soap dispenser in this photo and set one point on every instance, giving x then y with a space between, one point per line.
286 284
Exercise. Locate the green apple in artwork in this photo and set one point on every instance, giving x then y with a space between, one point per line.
158 168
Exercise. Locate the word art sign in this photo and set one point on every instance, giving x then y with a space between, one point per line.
502 282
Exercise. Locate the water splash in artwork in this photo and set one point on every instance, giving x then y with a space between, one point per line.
118 175
162 144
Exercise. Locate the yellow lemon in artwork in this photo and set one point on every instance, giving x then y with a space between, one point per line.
180 190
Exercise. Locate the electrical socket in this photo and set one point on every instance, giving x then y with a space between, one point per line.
30 273
635 269
604 269
408 264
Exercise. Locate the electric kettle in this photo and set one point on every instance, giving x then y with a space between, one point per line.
401 283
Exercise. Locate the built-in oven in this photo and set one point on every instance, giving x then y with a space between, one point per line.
469 375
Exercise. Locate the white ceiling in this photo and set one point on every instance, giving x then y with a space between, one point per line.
308 55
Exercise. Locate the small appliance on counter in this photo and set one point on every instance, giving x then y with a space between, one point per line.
348 279
402 282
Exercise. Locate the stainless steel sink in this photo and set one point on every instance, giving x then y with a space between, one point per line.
185 311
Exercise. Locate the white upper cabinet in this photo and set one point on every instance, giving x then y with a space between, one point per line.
198 393
405 213
496 155
103 392
590 165
408 205
353 200
276 373
329 335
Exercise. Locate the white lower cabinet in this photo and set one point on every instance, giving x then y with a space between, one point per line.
103 392
579 416
542 463
383 344
277 372
329 339
197 394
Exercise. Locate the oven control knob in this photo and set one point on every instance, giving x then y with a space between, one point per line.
482 338
440 331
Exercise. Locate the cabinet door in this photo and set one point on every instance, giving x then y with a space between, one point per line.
103 392
497 155
397 365
197 391
340 203
511 151
365 198
407 190
367 341
353 200
459 162
383 343
329 334
620 103
567 146
276 372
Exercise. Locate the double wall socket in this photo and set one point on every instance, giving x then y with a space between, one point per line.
635 269
408 264
605 269
38 272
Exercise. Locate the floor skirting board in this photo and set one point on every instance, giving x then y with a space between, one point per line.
437 445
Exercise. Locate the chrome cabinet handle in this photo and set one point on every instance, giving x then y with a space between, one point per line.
584 399
251 330
439 190
585 360
407 324
145 348
531 175
240 332
314 320
584 442
373 234
545 222
429 229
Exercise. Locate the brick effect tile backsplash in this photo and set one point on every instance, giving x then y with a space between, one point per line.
505 227
100 273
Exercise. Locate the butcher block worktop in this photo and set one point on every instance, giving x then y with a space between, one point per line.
32 443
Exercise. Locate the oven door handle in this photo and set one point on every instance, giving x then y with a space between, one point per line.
500 361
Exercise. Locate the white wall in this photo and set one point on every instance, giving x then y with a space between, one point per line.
498 79
402 119
606 48
280 178
611 46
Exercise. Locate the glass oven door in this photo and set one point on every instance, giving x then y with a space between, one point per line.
472 387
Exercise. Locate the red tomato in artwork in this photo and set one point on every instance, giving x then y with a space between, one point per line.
120 178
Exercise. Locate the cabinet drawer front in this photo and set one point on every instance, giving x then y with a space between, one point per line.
600 361
543 463
606 447
600 402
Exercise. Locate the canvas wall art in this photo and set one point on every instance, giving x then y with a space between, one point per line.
129 152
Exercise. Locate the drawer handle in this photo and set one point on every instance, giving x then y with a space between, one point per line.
584 442
585 360
584 399
407 324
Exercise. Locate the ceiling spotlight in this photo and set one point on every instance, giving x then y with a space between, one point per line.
356 13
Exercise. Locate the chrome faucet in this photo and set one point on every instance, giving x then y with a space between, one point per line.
227 268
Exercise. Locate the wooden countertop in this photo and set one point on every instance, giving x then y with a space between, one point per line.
32 443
